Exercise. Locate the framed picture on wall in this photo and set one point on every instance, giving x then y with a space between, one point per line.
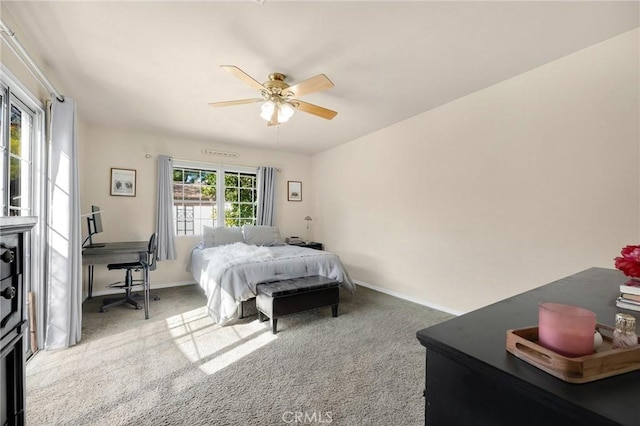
294 190
123 182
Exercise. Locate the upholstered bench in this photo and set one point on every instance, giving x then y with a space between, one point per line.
279 298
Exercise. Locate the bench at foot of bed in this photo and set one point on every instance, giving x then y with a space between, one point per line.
279 298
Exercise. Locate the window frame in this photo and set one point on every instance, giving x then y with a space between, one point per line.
220 170
14 92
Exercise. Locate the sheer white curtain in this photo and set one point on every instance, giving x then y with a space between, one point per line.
266 214
64 266
165 226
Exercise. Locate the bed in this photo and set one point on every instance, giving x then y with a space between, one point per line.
228 270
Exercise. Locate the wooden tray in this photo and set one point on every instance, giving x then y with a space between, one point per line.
606 362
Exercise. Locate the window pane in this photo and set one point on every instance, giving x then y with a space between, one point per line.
178 191
191 192
191 176
19 170
16 130
15 183
246 195
247 181
230 180
208 193
193 201
246 210
209 178
230 194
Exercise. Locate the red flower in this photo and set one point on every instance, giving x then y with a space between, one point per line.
629 262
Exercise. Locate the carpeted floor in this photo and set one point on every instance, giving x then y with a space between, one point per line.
364 367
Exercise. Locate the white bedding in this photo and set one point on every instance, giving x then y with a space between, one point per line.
229 274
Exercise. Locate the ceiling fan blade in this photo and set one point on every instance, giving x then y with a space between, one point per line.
314 84
243 76
313 109
238 102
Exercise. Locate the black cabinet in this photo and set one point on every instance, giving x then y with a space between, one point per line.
12 318
471 379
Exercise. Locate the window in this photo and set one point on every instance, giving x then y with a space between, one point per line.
196 201
239 198
16 124
23 180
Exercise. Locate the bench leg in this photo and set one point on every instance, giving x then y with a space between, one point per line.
274 325
334 310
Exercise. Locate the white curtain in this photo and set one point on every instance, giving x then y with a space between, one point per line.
64 268
266 214
165 226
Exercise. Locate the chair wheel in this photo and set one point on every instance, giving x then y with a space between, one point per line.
156 297
138 306
103 310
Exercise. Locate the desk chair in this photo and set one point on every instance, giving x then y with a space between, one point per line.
129 284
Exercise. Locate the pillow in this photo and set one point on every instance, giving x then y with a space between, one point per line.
221 235
262 235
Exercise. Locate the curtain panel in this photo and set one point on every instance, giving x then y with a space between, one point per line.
266 196
64 261
165 226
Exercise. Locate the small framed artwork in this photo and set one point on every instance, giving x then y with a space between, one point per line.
123 182
294 190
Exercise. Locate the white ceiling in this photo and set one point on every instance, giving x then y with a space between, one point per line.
153 66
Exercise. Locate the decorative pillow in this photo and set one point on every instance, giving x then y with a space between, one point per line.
262 235
221 235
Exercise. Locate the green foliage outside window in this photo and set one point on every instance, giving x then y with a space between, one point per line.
240 199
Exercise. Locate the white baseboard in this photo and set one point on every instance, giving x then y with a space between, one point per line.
410 299
372 287
108 292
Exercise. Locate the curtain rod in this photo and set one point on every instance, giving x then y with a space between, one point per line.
26 59
196 162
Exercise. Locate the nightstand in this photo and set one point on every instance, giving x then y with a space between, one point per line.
309 244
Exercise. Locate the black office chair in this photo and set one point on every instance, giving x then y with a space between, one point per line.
129 284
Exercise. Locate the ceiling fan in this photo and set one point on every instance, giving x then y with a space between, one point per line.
279 98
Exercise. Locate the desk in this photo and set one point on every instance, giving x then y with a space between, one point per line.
472 380
116 252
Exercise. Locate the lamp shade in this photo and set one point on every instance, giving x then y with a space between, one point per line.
284 111
267 110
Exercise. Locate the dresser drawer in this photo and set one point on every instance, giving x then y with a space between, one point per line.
10 304
9 256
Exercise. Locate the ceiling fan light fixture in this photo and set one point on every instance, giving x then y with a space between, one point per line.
283 114
267 110
279 99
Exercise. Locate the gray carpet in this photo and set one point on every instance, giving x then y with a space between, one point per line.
364 367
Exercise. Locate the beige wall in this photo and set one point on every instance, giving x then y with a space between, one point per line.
134 218
509 188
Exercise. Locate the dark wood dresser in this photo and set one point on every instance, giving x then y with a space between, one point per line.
472 380
13 232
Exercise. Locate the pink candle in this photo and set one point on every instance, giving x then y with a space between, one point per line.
565 329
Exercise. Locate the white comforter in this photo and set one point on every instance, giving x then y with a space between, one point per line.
229 274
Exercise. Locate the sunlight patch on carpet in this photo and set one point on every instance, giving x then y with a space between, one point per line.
212 346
